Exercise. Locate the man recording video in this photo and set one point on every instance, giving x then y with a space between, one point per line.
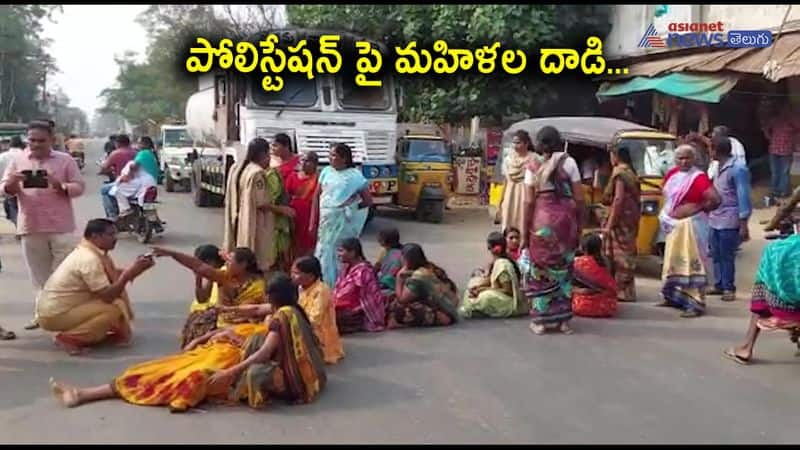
44 182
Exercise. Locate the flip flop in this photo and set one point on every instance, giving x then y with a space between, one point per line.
730 353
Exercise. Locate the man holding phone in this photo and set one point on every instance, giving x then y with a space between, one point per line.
44 182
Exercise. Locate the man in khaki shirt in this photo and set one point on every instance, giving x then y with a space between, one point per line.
85 299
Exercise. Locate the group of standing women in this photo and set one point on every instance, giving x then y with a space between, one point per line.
543 201
280 212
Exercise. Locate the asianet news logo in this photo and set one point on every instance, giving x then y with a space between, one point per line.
686 35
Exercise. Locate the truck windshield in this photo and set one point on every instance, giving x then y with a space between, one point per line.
298 91
650 157
177 138
353 96
422 150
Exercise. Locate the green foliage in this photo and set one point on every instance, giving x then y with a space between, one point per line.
24 61
526 27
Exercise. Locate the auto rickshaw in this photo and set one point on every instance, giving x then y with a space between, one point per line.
425 175
588 140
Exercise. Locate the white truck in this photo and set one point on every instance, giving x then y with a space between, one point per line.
175 148
229 110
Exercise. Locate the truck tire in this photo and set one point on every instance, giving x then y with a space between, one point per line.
202 198
169 183
430 211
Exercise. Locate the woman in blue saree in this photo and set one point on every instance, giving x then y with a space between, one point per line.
343 204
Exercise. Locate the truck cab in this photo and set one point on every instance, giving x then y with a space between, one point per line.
176 146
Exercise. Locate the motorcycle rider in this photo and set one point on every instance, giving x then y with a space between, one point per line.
133 182
112 166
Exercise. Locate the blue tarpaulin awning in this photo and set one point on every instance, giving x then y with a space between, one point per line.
708 88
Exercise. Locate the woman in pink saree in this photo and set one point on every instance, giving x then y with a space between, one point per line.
688 197
554 202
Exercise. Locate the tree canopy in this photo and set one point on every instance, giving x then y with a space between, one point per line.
155 89
526 27
24 61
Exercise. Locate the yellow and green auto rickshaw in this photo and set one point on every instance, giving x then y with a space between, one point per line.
425 175
588 139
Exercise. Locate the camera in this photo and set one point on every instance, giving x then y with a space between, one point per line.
35 179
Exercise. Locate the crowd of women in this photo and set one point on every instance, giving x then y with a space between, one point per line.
264 324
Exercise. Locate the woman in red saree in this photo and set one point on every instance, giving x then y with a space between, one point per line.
594 291
302 189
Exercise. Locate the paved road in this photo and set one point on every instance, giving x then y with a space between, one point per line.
646 376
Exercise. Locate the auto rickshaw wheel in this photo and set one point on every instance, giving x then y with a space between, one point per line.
431 211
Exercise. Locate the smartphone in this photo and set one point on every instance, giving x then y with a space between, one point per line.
149 255
35 179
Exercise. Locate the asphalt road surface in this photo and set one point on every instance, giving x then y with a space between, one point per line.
646 376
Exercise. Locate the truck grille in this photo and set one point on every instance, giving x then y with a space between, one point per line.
379 144
320 142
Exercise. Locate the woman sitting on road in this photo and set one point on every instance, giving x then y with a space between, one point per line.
251 362
202 313
360 305
495 292
240 282
316 299
391 259
594 290
424 295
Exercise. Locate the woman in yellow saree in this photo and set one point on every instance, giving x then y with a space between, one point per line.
240 282
247 362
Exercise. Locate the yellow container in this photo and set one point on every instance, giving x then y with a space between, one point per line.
495 194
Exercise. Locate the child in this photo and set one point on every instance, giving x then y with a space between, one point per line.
594 293
513 248
202 314
390 260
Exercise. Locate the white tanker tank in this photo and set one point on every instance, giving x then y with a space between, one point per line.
200 118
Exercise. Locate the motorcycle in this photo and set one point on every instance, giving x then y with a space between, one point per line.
143 219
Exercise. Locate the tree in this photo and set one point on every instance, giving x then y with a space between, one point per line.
157 89
454 99
24 60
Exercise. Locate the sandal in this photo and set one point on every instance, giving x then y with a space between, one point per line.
730 353
6 335
538 329
565 329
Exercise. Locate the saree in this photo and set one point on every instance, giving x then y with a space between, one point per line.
620 245
201 321
340 217
281 248
512 204
317 302
297 375
552 244
776 291
360 304
301 192
391 262
180 381
433 293
686 254
594 293
493 302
